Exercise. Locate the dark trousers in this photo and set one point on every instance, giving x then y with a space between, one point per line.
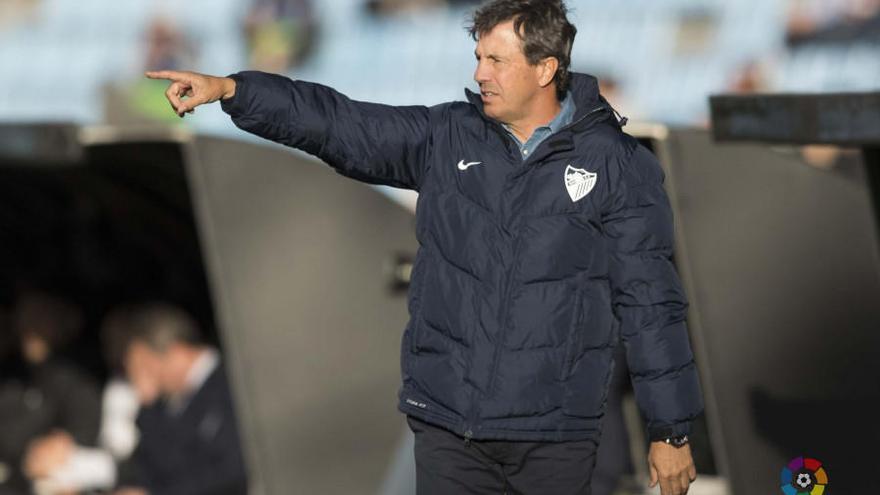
446 465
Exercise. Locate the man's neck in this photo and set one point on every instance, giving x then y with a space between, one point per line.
543 113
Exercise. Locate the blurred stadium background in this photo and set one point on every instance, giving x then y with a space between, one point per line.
663 57
106 197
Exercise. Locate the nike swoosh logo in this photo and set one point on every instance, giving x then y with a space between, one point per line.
463 166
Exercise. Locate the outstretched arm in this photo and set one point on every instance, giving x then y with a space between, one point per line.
370 142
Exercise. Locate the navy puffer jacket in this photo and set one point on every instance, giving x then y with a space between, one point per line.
528 271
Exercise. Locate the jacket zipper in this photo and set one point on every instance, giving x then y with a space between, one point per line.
505 305
578 121
570 124
472 417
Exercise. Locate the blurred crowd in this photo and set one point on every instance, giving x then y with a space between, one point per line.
833 21
811 23
12 11
663 68
161 421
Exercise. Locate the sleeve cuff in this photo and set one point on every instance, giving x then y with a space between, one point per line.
661 432
234 105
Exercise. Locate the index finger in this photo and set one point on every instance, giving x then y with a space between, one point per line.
171 75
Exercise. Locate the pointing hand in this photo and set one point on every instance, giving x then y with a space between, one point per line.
191 89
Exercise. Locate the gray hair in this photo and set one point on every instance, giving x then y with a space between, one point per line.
160 325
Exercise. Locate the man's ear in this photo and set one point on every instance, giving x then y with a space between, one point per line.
546 70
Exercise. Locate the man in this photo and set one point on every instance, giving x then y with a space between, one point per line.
189 441
545 235
51 402
60 464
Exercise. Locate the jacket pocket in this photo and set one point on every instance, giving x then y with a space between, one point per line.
415 330
419 270
586 390
573 342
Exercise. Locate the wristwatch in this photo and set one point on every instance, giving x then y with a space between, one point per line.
677 441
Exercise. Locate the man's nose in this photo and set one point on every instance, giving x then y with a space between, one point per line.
481 74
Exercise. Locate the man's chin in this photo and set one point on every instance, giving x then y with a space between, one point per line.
491 111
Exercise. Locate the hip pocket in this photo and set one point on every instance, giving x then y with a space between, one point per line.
574 337
587 388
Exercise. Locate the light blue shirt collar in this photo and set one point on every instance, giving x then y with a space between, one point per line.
562 119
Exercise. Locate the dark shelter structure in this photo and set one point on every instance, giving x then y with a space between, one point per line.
303 271
810 369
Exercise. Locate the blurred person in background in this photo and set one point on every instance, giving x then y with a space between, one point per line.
396 7
189 442
750 77
279 33
79 468
506 389
13 12
119 434
832 21
50 404
165 45
7 352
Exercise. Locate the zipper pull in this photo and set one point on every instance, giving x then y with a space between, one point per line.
467 438
621 119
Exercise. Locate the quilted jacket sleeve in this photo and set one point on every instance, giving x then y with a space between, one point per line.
647 297
369 142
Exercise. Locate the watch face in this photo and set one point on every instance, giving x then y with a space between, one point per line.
679 441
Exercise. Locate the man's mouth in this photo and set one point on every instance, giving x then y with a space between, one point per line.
488 94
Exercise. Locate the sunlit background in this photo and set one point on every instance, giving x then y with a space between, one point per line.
82 60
